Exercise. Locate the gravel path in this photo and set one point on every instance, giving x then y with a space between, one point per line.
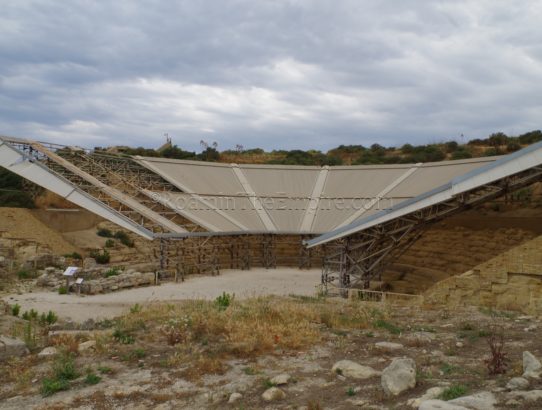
255 282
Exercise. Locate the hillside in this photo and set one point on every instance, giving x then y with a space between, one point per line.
495 144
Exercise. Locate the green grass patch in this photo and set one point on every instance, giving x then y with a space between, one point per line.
390 327
453 392
92 379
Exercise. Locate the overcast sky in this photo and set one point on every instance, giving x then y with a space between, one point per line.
269 73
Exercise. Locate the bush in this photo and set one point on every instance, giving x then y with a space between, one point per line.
224 300
104 233
101 257
63 290
453 392
30 315
390 327
52 386
110 243
48 318
123 337
461 153
64 366
73 255
112 272
124 239
26 274
63 371
15 309
13 193
92 379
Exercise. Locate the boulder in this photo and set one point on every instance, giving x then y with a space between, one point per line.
420 338
89 263
479 401
532 395
11 347
354 370
273 394
388 346
430 394
517 383
281 379
48 352
90 344
234 397
531 366
440 405
399 376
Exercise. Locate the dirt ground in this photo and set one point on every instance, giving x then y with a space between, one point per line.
256 282
148 373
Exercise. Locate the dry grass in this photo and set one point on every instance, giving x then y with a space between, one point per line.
206 334
66 342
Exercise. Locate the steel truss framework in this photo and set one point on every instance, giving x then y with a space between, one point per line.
356 260
178 257
122 174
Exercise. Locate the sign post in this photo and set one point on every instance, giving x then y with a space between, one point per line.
68 273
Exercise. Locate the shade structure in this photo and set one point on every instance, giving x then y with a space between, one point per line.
524 165
293 199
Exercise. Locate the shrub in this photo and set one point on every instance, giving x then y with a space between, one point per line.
123 337
51 386
350 392
110 243
15 309
224 300
62 290
105 370
73 255
30 315
136 308
139 353
104 233
48 318
124 239
453 392
112 272
64 366
497 362
390 327
63 371
26 274
30 336
101 257
92 378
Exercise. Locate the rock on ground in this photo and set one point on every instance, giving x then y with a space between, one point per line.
388 346
399 376
87 345
234 397
478 401
517 383
354 370
532 395
440 405
48 352
281 379
273 394
430 394
10 347
531 366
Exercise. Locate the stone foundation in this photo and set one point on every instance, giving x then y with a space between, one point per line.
510 281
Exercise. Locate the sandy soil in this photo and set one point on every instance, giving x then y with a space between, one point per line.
256 282
18 223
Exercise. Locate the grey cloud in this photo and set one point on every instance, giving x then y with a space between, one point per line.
273 74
